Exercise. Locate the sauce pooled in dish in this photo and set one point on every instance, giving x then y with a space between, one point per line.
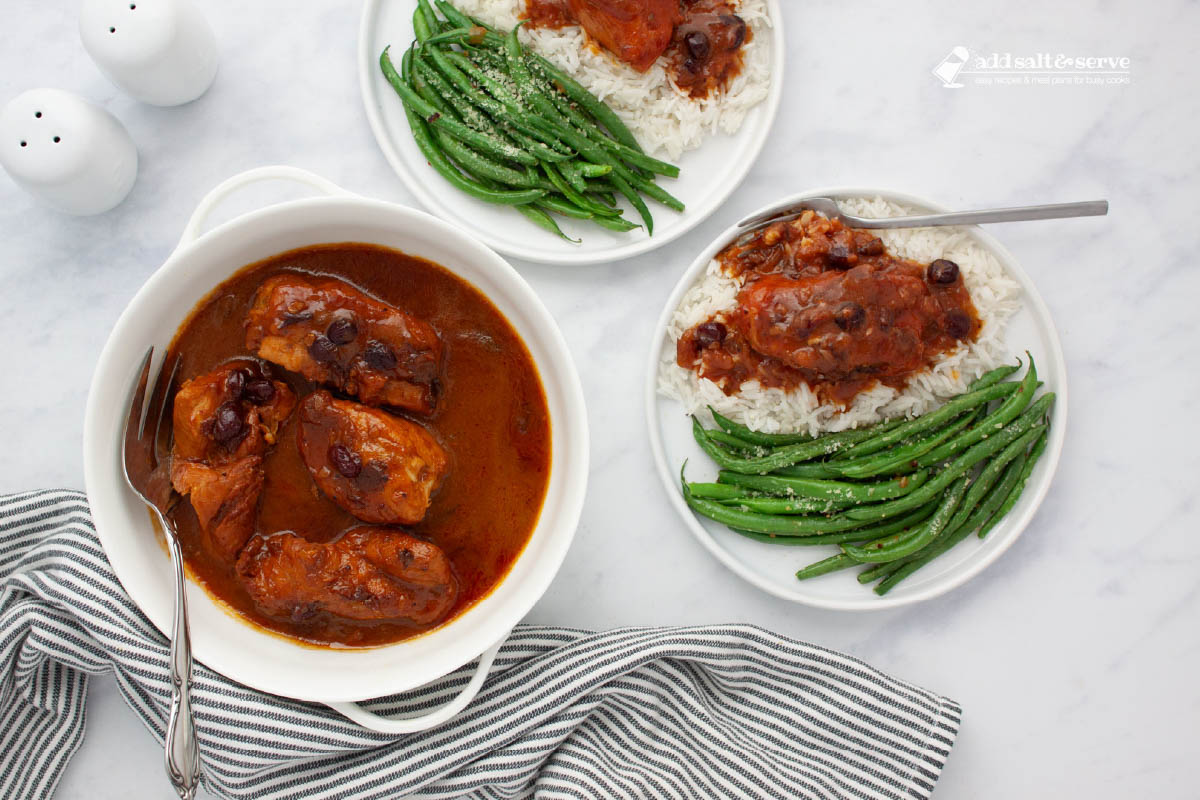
828 306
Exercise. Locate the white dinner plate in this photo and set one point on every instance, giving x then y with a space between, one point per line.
708 175
773 567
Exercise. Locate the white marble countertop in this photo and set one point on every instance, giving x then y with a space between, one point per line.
1075 656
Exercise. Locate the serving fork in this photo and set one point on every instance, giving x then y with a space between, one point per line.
828 207
144 453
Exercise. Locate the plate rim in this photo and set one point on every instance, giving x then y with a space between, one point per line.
870 601
581 256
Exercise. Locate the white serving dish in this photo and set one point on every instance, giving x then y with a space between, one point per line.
773 567
227 643
708 174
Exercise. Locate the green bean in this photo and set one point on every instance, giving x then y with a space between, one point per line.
590 103
543 220
825 566
767 523
936 419
836 491
786 506
590 170
952 538
898 459
991 473
504 114
479 165
754 437
656 192
814 469
466 36
426 82
718 491
993 422
573 176
814 540
978 494
464 111
1014 493
857 535
621 177
486 143
899 545
514 55
564 188
456 17
782 456
635 200
994 376
641 159
559 205
735 443
422 26
619 224
486 115
978 452
437 160
494 85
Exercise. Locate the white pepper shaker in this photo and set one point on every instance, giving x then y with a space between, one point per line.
161 52
59 147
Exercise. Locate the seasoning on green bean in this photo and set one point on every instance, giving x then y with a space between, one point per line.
952 538
837 491
901 459
755 437
899 545
978 452
784 456
1008 410
1014 493
433 155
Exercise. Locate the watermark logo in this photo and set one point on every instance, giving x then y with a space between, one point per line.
961 67
948 68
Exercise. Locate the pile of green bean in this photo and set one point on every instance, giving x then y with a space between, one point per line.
506 126
893 496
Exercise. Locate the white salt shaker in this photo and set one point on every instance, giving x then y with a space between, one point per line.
74 155
161 52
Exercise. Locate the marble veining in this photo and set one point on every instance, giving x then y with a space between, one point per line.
1074 655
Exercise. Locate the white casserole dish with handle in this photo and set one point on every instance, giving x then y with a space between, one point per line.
226 642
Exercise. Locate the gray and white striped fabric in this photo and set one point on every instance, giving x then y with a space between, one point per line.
724 711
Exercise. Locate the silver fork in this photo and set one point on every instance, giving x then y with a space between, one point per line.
144 454
828 207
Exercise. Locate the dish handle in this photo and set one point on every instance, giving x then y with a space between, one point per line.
379 724
277 172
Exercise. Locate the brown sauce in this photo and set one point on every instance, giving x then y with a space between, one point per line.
491 418
829 307
702 40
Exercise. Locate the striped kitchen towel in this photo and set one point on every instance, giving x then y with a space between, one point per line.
722 711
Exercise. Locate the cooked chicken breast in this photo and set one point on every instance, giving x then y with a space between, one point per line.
379 467
367 574
332 333
224 422
636 31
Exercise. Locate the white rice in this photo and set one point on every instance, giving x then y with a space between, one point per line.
996 297
660 115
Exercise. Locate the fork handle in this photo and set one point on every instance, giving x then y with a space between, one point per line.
1091 208
181 746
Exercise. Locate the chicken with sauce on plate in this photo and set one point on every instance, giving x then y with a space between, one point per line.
380 468
366 574
330 332
224 422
